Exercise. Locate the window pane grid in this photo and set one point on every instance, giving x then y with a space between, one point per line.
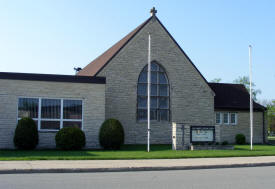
72 119
226 118
233 118
50 125
50 112
28 107
50 108
72 124
46 119
218 118
72 109
159 94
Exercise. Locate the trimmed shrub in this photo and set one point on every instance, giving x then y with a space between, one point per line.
26 134
70 138
111 135
240 139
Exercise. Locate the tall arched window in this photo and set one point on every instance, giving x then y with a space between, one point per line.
160 110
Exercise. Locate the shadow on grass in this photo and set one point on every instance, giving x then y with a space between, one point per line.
75 154
44 154
143 147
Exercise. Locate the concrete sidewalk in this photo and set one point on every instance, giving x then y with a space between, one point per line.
63 166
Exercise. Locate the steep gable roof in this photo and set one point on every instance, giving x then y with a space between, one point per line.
232 96
93 68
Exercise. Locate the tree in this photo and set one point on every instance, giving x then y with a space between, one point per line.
245 81
271 115
216 80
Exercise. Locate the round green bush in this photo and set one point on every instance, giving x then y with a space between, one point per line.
240 139
70 138
111 135
26 134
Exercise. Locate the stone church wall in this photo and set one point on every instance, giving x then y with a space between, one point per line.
191 99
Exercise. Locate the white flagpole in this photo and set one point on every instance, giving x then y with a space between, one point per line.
149 92
251 100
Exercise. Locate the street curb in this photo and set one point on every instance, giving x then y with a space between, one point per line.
128 169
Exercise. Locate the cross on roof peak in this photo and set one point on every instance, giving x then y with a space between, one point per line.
153 11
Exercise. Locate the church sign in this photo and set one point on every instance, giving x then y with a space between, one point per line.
202 134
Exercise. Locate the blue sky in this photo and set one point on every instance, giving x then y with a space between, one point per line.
55 36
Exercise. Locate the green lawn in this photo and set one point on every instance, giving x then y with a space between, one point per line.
135 152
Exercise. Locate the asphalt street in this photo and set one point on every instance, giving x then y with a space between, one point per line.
252 177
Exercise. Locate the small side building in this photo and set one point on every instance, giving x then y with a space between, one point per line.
232 113
54 102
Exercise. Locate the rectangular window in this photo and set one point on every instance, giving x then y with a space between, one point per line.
233 118
50 108
142 114
72 113
51 114
155 114
164 115
218 118
72 109
226 118
72 124
28 107
49 125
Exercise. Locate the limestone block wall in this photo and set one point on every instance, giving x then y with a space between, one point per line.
217 133
93 96
191 99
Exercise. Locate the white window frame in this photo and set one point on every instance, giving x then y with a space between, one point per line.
220 115
228 118
236 118
49 119
61 119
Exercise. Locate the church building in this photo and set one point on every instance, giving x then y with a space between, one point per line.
114 85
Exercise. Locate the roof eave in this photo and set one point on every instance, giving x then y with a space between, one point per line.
51 77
